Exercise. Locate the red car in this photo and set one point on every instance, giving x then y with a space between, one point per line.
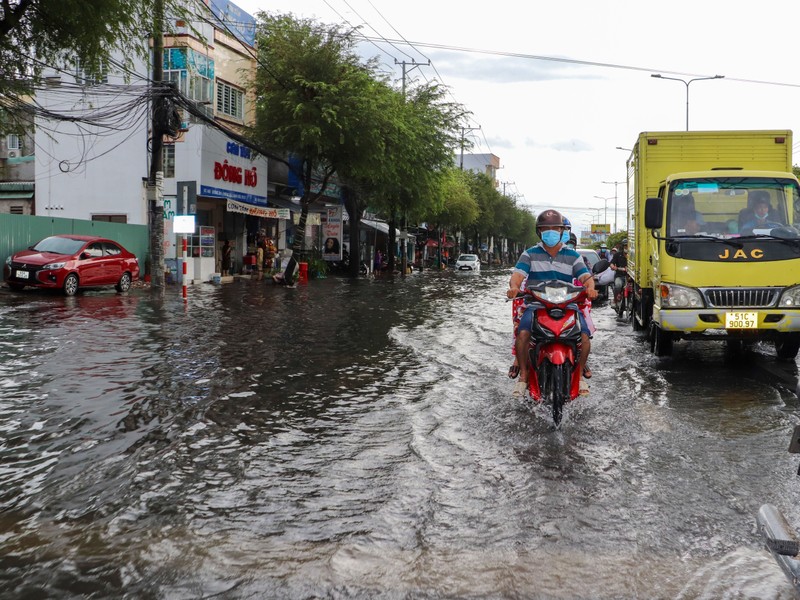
70 262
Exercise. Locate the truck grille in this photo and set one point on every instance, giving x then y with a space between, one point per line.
741 297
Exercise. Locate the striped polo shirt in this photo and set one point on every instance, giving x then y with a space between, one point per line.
537 265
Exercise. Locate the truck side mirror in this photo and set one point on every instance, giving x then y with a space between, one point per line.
653 213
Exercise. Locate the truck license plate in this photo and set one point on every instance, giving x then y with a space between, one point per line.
22 274
741 320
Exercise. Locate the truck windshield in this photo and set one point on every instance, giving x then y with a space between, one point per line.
733 207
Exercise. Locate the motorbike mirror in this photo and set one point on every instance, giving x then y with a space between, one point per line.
600 266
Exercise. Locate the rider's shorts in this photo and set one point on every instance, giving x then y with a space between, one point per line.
526 322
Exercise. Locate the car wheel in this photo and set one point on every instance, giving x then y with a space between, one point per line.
124 283
71 285
15 286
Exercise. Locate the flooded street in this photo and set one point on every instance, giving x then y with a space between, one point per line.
358 439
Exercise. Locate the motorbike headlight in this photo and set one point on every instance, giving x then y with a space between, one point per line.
678 296
53 266
790 298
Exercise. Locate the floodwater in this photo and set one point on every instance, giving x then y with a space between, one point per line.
357 439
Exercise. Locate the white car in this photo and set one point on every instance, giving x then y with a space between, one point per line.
468 262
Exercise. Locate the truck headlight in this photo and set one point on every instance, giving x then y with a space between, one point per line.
678 296
790 298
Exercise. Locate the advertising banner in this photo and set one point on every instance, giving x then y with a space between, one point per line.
332 235
258 211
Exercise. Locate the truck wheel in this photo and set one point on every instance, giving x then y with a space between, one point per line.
660 341
637 308
787 347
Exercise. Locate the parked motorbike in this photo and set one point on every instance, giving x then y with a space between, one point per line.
554 374
624 299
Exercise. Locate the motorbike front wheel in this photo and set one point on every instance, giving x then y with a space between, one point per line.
556 380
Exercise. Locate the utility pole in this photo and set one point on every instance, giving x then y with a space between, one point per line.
404 234
155 200
464 131
413 64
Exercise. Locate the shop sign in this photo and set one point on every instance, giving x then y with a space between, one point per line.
230 170
332 234
258 211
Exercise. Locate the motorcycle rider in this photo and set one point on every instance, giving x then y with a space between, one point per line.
548 260
619 264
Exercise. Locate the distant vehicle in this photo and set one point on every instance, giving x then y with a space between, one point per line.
593 258
468 262
72 262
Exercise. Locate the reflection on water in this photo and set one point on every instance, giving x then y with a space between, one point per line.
357 439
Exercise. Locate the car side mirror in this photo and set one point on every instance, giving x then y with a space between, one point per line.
85 255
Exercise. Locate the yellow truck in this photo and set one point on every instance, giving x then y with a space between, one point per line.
714 246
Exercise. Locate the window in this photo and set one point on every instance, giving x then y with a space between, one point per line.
17 210
230 101
12 142
169 160
191 71
110 218
82 76
112 249
95 250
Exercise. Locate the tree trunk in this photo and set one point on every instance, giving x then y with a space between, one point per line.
392 244
354 212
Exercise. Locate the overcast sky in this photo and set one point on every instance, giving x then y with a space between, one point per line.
556 121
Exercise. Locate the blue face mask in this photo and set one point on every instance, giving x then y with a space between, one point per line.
550 238
565 237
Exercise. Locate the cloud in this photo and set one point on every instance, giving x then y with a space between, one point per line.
572 145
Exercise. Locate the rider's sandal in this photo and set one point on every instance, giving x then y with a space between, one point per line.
587 373
520 389
513 371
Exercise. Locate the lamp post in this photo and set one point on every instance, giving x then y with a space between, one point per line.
615 184
686 83
605 200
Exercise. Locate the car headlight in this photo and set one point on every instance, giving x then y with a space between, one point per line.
678 296
790 298
53 266
8 260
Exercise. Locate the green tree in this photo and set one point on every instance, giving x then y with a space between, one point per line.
420 141
35 33
314 100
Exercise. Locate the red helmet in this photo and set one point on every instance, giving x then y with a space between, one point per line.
549 218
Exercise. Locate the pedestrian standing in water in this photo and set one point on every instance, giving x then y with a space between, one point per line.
227 254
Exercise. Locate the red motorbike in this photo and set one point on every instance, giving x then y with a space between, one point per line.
554 374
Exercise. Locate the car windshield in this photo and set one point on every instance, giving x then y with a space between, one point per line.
729 207
590 255
467 258
59 245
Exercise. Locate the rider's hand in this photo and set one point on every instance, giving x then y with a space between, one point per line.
512 292
591 294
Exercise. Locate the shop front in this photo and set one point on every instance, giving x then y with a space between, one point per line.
224 184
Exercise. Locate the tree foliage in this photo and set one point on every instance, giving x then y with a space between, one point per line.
37 33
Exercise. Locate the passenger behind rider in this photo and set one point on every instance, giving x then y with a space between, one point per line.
546 261
619 264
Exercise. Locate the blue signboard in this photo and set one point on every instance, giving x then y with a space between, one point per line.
233 18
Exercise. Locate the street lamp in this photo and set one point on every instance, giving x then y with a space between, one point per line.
686 83
605 214
615 184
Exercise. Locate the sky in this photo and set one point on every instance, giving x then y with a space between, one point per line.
557 88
